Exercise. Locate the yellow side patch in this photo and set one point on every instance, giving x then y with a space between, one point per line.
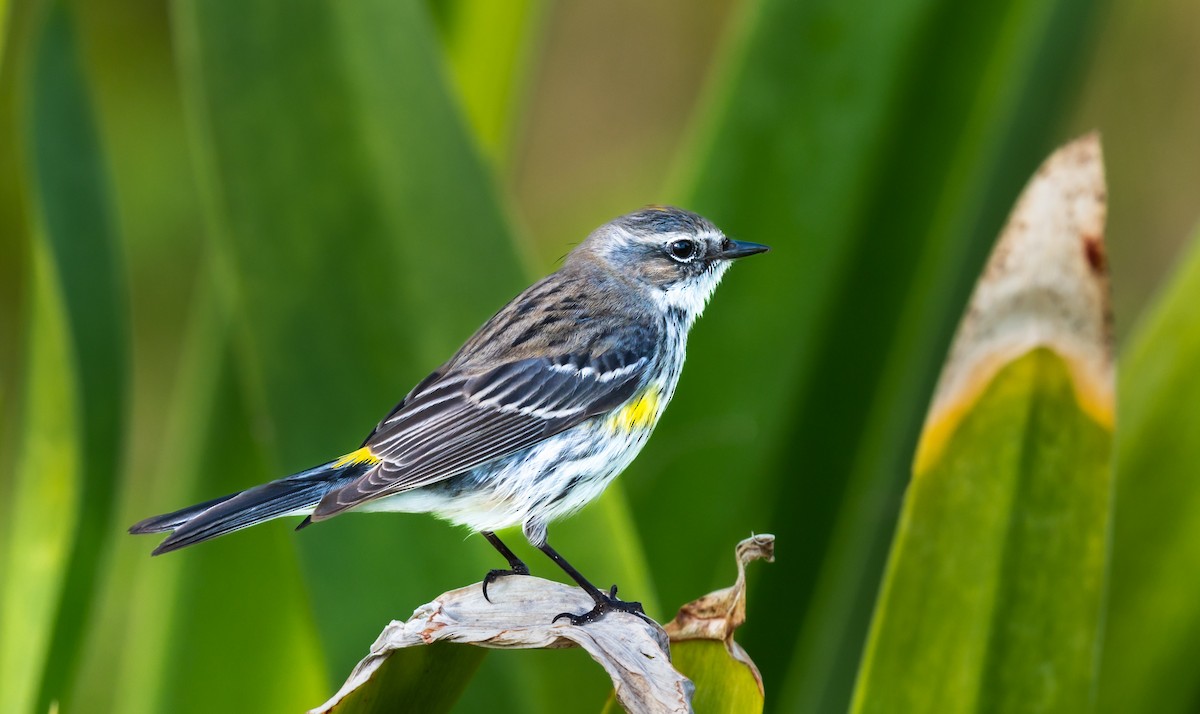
362 456
640 412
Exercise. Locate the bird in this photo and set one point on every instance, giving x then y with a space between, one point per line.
533 416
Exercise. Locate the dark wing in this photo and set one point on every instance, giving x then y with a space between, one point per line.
460 421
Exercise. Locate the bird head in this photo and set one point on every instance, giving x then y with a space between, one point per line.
676 256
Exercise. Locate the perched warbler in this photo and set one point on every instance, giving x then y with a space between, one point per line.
534 416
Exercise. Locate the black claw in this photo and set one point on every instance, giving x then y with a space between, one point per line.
607 603
515 565
518 568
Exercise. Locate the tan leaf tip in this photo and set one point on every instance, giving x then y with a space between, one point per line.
1045 285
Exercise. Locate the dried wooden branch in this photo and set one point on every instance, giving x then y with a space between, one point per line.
634 651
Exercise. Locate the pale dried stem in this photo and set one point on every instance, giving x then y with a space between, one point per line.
634 651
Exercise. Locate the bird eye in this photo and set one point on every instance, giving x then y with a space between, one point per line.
682 250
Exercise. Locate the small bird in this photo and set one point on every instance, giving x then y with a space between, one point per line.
534 416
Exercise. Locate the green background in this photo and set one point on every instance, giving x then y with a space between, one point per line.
233 234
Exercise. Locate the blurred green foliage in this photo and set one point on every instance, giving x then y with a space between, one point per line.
1153 631
232 236
72 419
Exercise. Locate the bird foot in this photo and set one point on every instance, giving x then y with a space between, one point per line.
518 568
605 603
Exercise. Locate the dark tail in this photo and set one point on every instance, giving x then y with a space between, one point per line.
291 495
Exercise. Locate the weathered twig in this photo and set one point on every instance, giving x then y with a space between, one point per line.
634 651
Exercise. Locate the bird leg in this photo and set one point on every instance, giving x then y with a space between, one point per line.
605 602
515 565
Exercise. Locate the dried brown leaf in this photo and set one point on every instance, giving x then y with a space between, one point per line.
634 651
718 614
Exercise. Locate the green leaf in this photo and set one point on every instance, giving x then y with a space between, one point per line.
722 683
992 596
991 601
73 401
1153 628
838 133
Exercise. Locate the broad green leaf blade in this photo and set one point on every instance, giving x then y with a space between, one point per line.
364 244
1153 623
991 601
809 372
722 683
69 460
993 592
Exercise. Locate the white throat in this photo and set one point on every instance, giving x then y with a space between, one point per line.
691 296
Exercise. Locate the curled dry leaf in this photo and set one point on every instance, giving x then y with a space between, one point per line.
633 650
718 614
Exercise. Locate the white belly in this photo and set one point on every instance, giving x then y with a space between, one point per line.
543 483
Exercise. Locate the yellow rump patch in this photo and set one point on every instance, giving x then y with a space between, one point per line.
362 456
640 412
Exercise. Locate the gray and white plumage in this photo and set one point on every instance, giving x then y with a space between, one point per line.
537 412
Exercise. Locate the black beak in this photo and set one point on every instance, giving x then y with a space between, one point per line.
740 249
